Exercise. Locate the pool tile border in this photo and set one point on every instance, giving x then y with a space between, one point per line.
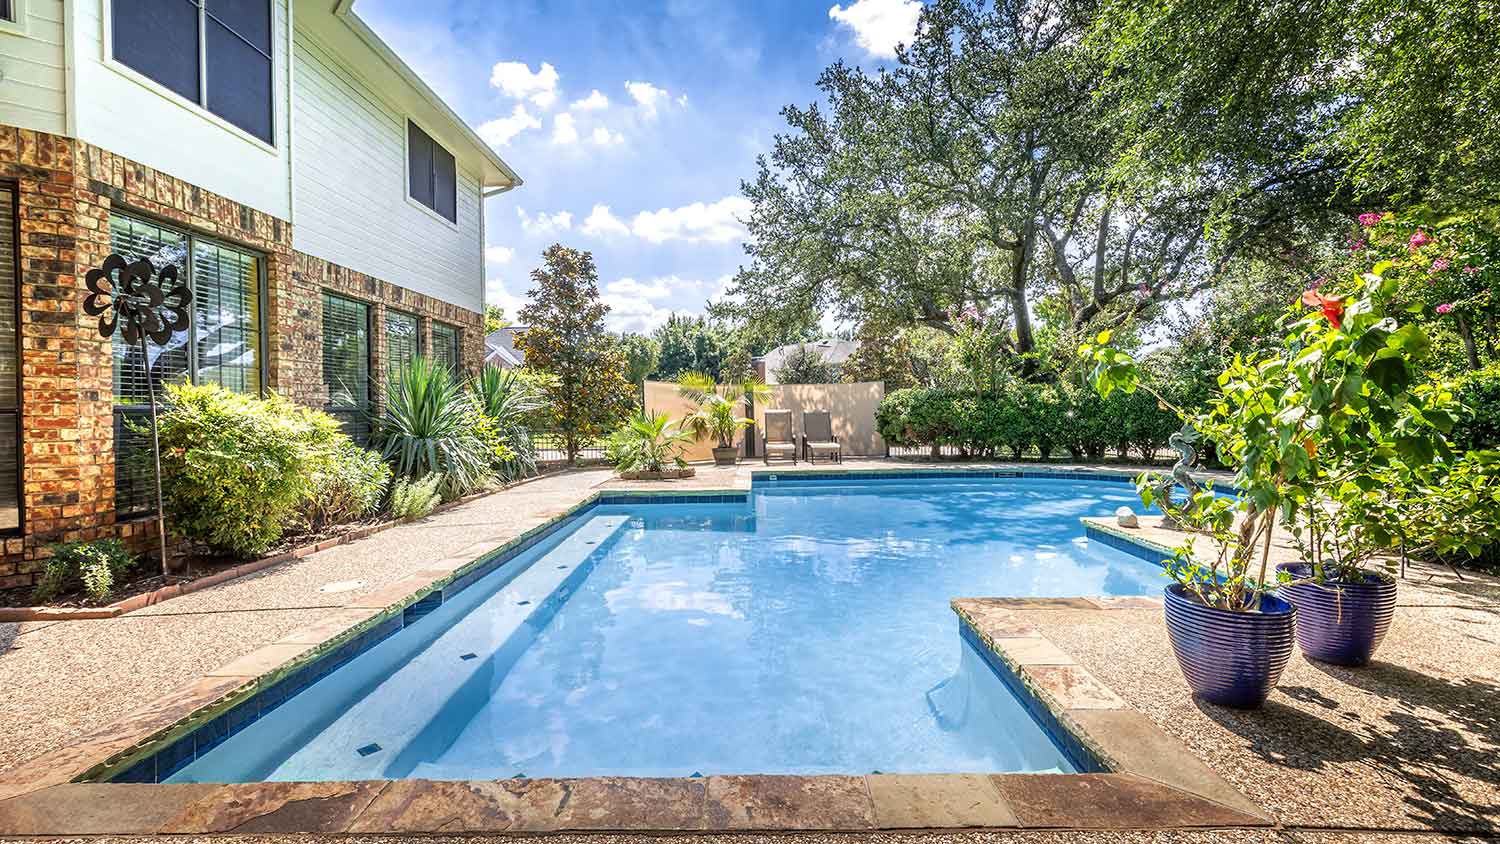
108 782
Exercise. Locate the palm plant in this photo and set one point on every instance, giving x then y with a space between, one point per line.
715 417
507 400
646 443
428 428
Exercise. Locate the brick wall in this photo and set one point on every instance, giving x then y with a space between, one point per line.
66 190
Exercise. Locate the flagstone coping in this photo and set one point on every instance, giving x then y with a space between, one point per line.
1152 781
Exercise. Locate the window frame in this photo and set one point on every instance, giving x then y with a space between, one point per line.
370 408
406 170
20 411
199 108
385 335
16 23
262 332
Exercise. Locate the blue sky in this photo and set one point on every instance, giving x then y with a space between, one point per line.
645 173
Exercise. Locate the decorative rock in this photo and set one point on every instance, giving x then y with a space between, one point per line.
1125 517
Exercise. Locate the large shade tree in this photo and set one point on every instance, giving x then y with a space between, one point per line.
984 170
587 393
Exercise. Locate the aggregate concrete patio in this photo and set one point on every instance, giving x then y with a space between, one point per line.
1409 744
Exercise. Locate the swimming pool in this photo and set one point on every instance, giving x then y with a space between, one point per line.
804 629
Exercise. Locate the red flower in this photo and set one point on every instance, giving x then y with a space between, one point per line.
1333 306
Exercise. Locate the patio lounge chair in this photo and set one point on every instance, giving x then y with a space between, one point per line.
777 436
818 438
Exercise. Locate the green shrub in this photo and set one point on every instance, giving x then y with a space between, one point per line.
236 468
430 428
647 443
507 400
93 565
1479 423
414 499
349 487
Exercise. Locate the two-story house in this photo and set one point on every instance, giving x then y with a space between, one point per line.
326 206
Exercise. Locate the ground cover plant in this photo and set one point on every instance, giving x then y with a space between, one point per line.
95 566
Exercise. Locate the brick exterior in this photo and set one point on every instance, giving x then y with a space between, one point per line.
66 190
301 377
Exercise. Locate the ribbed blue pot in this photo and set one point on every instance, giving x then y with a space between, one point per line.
1340 623
1230 658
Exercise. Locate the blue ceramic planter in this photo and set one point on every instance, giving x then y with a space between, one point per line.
1230 658
1340 623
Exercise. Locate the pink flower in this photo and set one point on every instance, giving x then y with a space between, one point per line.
1370 218
1439 265
1355 245
1419 239
1144 290
1444 308
1470 269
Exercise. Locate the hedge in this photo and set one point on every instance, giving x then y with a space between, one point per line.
1020 418
1479 426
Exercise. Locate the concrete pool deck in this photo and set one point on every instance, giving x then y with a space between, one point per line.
1432 696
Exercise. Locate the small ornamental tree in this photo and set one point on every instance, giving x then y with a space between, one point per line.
588 394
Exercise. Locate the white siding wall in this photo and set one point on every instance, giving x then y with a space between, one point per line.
349 191
119 112
33 92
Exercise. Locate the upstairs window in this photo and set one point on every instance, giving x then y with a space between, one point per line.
8 10
431 173
228 72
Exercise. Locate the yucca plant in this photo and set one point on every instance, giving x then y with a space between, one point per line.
647 443
507 400
429 428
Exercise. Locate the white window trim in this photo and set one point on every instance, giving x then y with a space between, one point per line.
406 173
17 26
198 109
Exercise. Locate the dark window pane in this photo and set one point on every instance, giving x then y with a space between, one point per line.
346 363
445 346
239 81
8 286
402 342
10 431
6 12
159 38
226 306
249 19
445 184
419 164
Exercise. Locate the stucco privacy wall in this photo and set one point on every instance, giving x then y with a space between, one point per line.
663 397
852 407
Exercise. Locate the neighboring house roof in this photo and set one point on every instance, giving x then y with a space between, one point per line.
385 72
835 352
500 347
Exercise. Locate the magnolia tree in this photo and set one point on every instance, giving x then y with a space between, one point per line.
1320 431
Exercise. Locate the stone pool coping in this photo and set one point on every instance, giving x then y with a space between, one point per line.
1153 782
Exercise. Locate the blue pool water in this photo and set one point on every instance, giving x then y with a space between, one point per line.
807 630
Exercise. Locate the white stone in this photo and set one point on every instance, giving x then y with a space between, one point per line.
1125 517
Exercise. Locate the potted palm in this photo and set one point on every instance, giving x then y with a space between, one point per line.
716 416
648 447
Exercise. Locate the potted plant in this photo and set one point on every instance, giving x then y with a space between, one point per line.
716 416
644 447
1231 634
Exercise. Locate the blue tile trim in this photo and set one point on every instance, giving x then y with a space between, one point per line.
1135 549
1082 759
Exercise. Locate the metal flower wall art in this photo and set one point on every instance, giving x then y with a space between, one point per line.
124 297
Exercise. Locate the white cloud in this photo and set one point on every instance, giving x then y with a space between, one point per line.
602 223
498 254
658 288
500 131
563 130
879 25
605 137
716 222
593 102
544 223
649 97
628 313
516 81
497 292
